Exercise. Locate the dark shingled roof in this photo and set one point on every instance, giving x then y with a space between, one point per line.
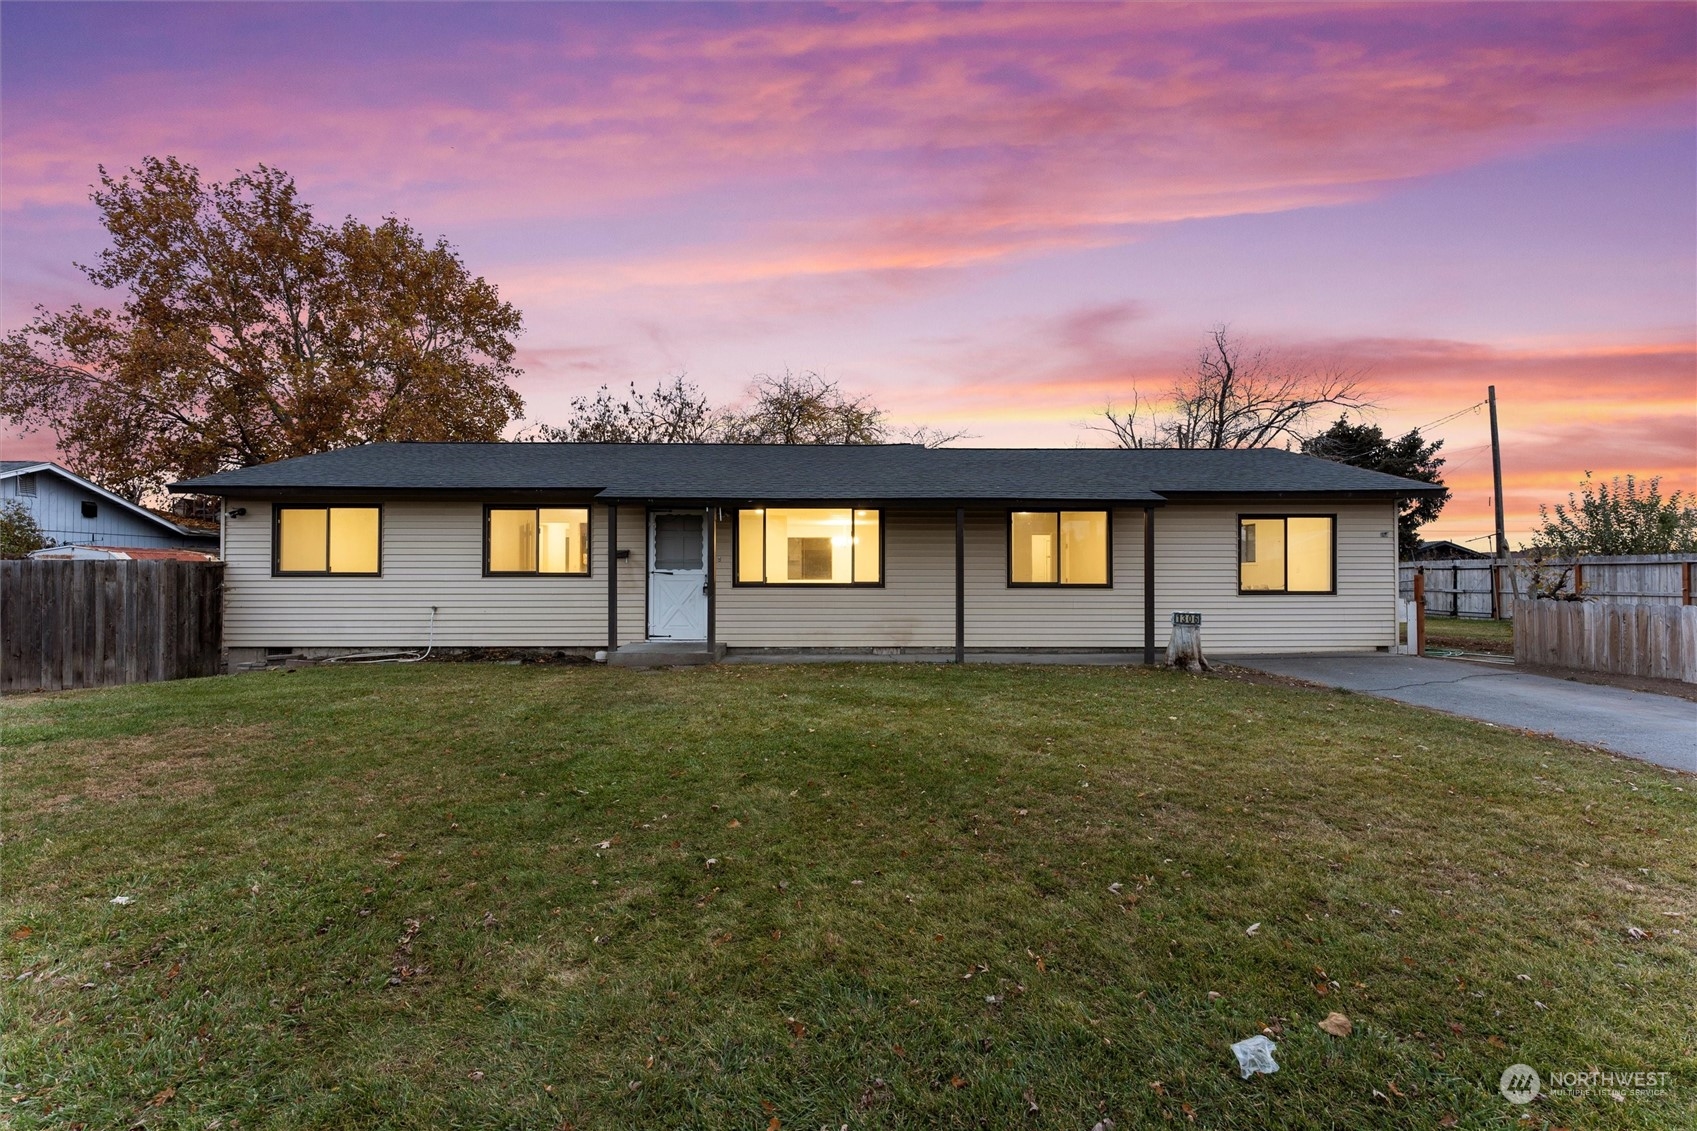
729 472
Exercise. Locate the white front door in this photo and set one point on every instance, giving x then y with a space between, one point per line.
677 575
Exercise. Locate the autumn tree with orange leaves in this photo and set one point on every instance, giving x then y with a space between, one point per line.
248 331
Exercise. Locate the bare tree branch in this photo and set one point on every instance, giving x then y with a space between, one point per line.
1235 398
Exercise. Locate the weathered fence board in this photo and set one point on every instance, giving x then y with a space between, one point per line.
1657 641
67 624
1488 587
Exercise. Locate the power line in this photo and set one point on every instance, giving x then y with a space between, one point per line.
1451 416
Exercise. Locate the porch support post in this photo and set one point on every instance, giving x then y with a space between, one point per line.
612 576
712 577
960 585
1149 585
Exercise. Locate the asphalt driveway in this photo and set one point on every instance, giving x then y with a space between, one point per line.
1656 728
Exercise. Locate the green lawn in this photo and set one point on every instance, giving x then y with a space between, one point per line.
794 897
1464 635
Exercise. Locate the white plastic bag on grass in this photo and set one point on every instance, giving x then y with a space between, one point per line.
1255 1055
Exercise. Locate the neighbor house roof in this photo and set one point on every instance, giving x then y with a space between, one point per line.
873 472
18 467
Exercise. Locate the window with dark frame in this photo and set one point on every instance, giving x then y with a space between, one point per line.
1059 548
1287 553
809 546
327 540
536 541
90 509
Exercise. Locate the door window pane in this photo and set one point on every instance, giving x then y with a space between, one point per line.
1084 547
677 541
303 537
1036 547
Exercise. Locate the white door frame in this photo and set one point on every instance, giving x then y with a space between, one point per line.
680 613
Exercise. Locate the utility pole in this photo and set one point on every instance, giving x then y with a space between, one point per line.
1497 472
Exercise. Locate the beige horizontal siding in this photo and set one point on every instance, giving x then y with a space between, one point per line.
915 607
1196 569
432 555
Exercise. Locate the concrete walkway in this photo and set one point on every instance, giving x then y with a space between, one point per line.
1656 728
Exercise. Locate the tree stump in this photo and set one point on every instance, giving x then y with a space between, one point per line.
1184 643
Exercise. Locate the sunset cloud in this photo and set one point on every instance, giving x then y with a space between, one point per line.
996 217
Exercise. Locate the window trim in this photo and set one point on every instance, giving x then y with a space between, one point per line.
589 541
736 547
277 510
1007 528
1287 591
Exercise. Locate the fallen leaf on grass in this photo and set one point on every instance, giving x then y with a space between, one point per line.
165 1096
1450 1119
1189 1112
957 1081
1030 1102
1251 929
22 933
734 824
1394 1090
1496 1042
1322 989
1337 1025
1157 1087
474 1075
796 1027
1378 1095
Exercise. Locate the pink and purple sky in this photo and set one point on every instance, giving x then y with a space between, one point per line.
995 217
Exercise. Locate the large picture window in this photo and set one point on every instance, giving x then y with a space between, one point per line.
1058 548
1286 553
327 540
536 540
809 546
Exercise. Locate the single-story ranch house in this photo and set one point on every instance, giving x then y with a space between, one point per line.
897 547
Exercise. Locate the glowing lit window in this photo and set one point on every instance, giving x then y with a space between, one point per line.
537 540
1058 548
1286 553
328 540
809 546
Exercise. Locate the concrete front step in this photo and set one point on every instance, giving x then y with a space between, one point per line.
665 654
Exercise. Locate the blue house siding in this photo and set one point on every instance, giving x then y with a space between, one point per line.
58 502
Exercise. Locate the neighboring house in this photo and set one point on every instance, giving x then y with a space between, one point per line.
71 511
806 548
1444 550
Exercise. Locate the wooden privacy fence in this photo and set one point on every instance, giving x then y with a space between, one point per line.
1658 641
1487 587
70 624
